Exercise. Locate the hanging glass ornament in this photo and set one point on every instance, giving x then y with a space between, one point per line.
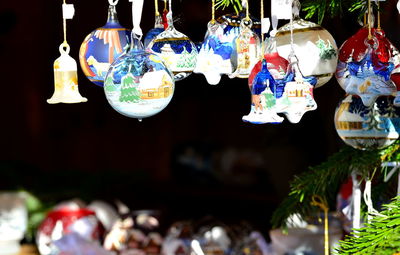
67 220
277 65
293 96
217 55
365 127
65 69
138 84
369 68
263 98
102 46
177 51
314 46
214 57
66 80
158 26
247 46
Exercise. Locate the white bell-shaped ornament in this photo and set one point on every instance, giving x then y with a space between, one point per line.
65 79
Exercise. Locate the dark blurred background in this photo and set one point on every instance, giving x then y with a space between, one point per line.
195 158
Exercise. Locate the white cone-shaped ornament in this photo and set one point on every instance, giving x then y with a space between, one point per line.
177 51
65 79
314 46
138 84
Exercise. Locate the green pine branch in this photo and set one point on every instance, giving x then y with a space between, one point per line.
380 237
325 180
236 4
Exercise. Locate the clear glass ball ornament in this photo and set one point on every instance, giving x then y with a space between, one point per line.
102 46
366 127
139 84
313 45
177 51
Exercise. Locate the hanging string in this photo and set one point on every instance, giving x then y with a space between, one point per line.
262 18
165 6
291 36
321 203
365 19
113 3
369 21
65 43
137 9
368 201
170 6
213 12
379 16
156 8
247 10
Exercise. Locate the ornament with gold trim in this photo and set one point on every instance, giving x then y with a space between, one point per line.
177 51
314 46
102 47
367 127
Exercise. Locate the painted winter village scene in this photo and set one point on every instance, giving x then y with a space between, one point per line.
368 78
223 52
177 52
206 166
292 96
314 46
367 126
139 87
102 47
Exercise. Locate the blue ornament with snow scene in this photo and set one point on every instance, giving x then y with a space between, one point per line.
102 46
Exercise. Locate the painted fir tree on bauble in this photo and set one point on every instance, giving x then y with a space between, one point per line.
129 91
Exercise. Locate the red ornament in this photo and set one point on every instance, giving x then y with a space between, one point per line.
277 66
63 219
378 63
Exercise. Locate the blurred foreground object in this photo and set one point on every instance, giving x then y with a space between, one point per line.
13 222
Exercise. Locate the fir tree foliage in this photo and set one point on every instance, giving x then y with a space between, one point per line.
325 180
318 8
380 237
236 4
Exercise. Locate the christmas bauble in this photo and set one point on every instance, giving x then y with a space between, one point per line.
154 32
292 96
218 55
369 68
213 240
277 65
102 46
313 45
138 84
177 51
178 239
232 23
64 221
365 127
